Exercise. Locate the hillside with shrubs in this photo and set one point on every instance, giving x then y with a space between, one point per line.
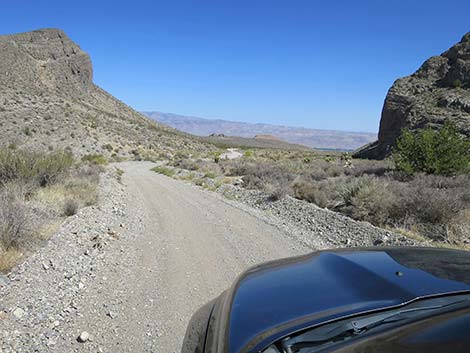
49 102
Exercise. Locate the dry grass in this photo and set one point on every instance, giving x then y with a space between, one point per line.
78 190
9 258
36 191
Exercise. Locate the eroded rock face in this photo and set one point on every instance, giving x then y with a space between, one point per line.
48 102
45 59
438 92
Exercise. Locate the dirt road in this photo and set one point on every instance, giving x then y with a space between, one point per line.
193 246
186 247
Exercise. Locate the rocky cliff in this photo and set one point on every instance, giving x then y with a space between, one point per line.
438 92
48 101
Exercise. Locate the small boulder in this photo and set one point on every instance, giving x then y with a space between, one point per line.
18 313
84 337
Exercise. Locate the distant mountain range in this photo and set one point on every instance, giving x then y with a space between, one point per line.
316 138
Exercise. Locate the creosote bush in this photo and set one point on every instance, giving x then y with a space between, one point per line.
30 167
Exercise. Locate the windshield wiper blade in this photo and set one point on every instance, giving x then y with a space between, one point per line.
318 337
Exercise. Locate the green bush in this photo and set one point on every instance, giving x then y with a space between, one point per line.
457 83
98 159
442 152
210 175
31 167
163 170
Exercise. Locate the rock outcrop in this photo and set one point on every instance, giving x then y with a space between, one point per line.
48 101
44 60
438 92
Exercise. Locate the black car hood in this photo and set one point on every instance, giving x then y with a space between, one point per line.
280 297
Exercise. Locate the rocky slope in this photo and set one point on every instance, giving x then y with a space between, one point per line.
438 92
48 101
315 138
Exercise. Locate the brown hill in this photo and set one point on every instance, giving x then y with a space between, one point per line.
267 137
48 101
225 141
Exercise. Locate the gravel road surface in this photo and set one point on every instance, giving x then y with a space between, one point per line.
164 248
192 247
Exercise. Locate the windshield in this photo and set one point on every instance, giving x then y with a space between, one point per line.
340 332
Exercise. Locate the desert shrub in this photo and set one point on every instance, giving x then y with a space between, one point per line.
346 192
70 207
371 202
210 175
182 154
30 167
278 193
108 147
368 167
200 182
334 170
50 168
164 170
258 176
318 174
88 171
459 228
235 167
187 164
443 151
97 159
15 229
430 205
310 192
82 190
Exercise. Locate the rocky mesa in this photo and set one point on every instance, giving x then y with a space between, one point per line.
48 101
438 92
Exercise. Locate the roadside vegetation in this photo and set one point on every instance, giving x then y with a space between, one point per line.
423 191
37 190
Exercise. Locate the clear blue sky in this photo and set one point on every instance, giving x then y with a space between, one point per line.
321 64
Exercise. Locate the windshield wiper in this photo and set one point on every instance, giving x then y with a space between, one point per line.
329 334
